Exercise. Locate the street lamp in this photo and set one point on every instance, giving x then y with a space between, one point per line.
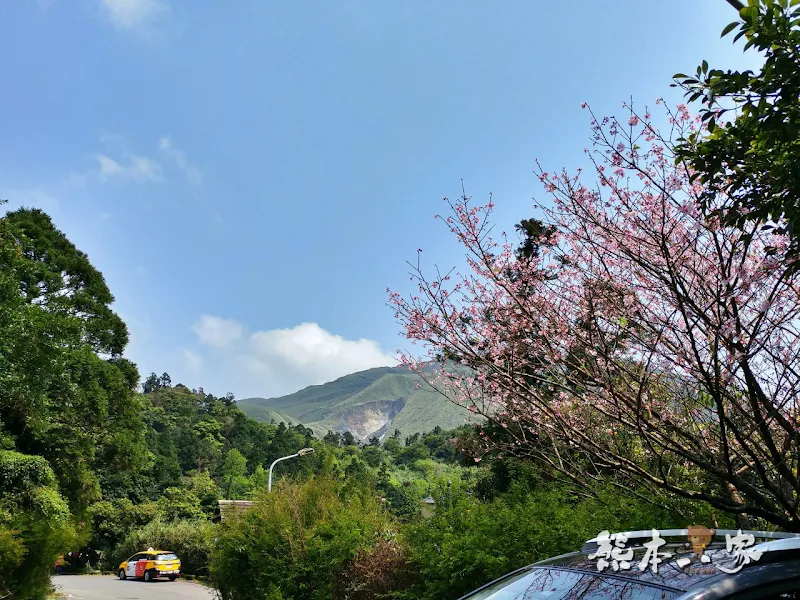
302 452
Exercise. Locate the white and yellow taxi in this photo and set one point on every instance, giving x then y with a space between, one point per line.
150 564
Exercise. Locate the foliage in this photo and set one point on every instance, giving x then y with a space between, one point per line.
154 382
113 520
234 475
64 391
296 542
401 500
378 571
12 553
750 150
191 540
204 488
59 278
373 455
176 503
208 437
645 340
34 524
468 542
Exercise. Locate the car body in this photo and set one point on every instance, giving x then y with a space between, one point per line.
774 574
150 564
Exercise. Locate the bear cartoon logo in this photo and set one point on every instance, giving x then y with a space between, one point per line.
699 538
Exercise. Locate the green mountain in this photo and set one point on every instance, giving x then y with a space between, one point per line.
367 403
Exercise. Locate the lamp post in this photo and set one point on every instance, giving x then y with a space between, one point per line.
302 452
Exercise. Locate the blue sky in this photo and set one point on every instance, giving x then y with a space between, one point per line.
250 176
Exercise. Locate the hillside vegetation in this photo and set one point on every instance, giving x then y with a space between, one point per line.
368 403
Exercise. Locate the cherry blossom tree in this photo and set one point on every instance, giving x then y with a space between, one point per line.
642 338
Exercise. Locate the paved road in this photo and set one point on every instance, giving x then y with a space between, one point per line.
108 587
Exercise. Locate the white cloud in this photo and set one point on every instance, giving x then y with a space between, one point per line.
216 331
194 362
193 174
141 270
130 14
140 169
320 354
281 361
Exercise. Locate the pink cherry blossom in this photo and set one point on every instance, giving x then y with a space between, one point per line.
644 319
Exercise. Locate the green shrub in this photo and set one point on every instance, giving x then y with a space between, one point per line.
179 504
113 520
402 501
296 542
12 552
191 540
469 542
35 525
204 489
377 571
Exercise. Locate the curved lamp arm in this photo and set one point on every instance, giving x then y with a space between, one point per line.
302 452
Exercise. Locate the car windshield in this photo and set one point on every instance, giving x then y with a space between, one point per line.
558 584
166 557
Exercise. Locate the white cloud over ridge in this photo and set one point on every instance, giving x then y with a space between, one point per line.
282 361
320 354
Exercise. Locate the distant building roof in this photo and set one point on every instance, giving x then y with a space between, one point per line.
229 507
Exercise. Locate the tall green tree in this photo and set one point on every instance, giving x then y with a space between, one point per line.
65 392
750 150
151 384
60 278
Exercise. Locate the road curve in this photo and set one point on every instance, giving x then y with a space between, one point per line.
108 587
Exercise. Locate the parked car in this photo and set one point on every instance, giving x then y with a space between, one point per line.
620 567
150 564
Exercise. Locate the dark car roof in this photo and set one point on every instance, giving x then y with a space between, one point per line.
770 567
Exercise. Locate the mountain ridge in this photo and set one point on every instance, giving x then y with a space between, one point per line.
366 403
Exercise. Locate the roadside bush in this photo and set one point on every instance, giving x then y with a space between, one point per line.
469 542
191 540
179 504
35 525
296 542
113 520
377 571
12 551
